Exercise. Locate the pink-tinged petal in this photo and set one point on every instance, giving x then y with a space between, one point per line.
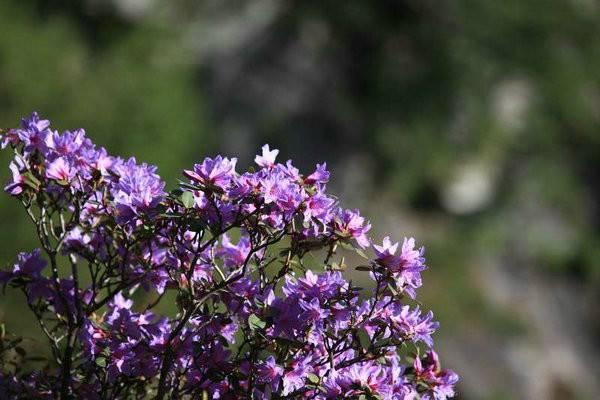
59 170
267 159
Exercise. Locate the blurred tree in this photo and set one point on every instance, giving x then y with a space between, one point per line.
133 90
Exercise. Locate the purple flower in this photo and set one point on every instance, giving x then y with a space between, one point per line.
267 159
33 133
386 252
244 185
405 267
60 170
296 372
157 279
234 255
412 259
290 171
217 172
101 161
272 187
11 137
361 378
320 176
325 285
312 310
236 302
18 180
349 223
269 372
440 382
29 264
66 144
138 189
411 325
280 191
121 302
42 288
319 207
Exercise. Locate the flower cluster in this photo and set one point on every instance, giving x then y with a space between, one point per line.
231 260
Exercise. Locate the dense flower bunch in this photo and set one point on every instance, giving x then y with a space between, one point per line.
233 254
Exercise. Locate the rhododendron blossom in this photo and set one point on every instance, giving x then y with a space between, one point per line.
253 266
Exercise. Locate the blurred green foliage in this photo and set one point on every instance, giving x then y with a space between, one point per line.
126 92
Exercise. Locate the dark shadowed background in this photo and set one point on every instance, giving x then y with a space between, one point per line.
472 125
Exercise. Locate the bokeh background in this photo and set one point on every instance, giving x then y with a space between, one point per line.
472 125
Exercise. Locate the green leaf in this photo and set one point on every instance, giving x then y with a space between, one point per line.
312 378
254 322
197 225
346 245
177 192
187 198
361 253
187 185
392 288
363 338
31 180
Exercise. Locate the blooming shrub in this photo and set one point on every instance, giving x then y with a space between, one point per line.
237 251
